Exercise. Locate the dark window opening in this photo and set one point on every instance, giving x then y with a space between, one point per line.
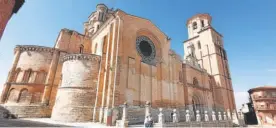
194 25
202 23
198 45
145 48
195 81
81 49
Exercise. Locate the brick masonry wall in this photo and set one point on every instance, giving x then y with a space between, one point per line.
76 96
35 60
30 111
6 7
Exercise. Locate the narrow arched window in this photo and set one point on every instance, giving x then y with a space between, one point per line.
12 95
202 23
17 71
41 77
198 45
95 48
23 96
27 75
194 25
195 81
81 48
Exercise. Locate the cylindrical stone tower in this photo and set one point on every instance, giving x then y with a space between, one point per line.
76 95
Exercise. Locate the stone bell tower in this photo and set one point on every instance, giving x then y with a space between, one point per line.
96 19
206 45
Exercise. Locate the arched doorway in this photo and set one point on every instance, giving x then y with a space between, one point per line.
196 104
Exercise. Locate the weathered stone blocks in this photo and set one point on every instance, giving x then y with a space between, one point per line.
76 97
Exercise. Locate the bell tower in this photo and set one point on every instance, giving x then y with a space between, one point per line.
206 45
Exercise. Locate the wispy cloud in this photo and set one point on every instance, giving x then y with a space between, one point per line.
271 70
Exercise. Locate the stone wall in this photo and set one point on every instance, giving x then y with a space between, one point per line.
76 96
29 111
222 123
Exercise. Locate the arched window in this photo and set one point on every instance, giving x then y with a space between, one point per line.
23 96
194 25
81 48
198 45
41 77
27 75
202 23
17 71
195 81
95 48
12 96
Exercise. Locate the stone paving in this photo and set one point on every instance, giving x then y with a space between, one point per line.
26 123
43 122
63 124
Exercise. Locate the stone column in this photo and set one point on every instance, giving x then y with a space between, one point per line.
214 116
11 75
229 114
50 78
124 117
175 118
206 117
147 108
224 116
161 119
198 118
234 117
124 121
188 118
219 116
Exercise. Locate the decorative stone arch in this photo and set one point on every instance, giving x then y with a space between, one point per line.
12 96
23 96
27 75
157 43
197 102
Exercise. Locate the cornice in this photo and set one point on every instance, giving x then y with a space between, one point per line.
191 39
87 57
34 48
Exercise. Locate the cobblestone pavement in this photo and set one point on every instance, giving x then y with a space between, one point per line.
26 123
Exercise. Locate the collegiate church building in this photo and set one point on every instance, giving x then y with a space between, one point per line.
120 58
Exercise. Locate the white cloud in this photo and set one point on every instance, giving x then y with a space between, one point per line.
271 70
241 98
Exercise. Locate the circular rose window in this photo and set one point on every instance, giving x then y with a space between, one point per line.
146 49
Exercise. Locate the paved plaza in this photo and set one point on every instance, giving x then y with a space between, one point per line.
43 122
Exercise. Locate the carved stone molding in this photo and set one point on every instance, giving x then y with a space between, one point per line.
81 57
34 48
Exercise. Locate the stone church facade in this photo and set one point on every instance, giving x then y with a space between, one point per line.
119 58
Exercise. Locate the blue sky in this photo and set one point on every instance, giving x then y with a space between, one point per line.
248 28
